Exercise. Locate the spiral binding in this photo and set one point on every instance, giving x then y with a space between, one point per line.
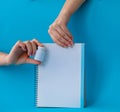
36 84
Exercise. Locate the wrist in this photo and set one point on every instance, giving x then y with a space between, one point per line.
6 59
63 17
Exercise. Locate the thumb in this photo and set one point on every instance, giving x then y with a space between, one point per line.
32 61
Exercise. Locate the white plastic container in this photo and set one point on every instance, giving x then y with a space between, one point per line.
40 54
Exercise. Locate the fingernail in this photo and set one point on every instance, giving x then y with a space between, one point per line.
65 46
69 45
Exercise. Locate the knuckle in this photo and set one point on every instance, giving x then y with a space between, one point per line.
34 39
49 31
50 26
27 42
32 42
55 40
18 42
54 25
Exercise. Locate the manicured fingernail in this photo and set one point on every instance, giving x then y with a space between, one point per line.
64 46
69 45
72 43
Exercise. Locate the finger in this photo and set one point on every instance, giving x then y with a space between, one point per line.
29 47
56 38
59 43
18 46
65 39
65 29
66 43
37 43
34 47
63 33
32 61
61 39
70 42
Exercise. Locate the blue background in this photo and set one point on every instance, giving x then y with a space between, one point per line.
97 23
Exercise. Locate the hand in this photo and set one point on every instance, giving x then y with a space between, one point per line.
22 51
60 33
58 29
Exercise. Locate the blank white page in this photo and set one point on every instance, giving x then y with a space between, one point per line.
59 77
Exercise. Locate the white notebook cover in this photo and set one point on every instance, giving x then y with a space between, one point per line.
60 78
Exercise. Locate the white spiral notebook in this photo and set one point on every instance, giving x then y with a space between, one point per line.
60 78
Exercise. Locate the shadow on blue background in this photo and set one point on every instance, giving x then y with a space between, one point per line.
93 66
97 23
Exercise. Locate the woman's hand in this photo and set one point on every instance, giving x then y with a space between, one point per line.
22 51
59 32
58 29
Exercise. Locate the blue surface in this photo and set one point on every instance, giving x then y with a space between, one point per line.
97 23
